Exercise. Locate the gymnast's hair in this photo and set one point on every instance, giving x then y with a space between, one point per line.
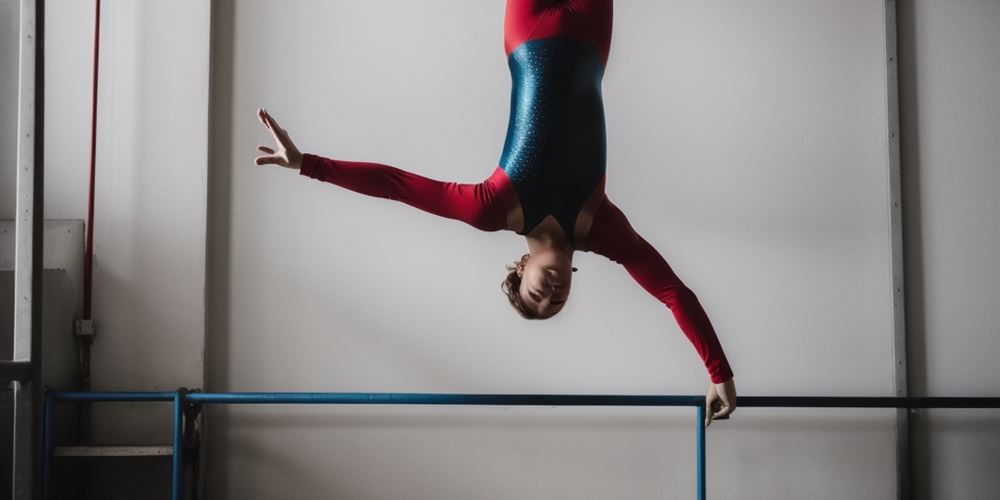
511 286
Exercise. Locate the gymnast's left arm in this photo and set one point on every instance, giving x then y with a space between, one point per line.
612 236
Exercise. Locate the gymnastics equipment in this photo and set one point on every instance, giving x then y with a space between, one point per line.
186 406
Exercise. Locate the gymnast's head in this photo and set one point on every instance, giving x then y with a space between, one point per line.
537 286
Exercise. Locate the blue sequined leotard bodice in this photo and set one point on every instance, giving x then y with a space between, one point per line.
554 153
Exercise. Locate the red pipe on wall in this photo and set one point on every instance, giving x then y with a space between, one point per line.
88 256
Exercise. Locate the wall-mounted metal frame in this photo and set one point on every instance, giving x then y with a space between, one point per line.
899 333
27 476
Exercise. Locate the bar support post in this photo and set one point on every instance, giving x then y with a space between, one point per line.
178 446
48 439
701 451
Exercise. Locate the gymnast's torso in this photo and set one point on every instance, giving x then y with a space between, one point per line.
554 153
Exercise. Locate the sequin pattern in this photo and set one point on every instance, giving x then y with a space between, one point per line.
554 153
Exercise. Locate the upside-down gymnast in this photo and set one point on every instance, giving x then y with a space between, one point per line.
549 185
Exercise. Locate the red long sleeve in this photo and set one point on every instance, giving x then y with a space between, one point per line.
483 205
612 236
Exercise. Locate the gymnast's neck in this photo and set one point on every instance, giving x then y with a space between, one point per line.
547 238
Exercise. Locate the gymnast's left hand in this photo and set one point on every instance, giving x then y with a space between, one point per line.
286 154
720 401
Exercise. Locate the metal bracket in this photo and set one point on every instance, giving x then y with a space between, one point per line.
84 328
15 370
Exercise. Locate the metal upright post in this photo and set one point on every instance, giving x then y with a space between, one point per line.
28 252
899 345
701 452
177 469
48 443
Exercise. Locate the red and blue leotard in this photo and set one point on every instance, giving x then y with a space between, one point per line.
554 154
553 159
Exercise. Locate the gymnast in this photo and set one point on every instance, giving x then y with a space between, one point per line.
549 185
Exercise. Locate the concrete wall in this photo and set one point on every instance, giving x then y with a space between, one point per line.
747 142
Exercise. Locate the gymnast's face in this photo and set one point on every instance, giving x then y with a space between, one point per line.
545 282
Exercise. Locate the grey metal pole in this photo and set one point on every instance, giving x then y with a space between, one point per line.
28 252
701 464
899 345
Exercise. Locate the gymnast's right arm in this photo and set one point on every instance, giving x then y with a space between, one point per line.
483 205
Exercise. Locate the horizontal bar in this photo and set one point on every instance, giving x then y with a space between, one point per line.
114 451
15 370
382 398
865 402
113 396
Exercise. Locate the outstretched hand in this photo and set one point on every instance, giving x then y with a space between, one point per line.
285 154
720 401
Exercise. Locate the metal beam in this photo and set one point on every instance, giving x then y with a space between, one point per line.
397 398
113 451
14 371
28 251
899 335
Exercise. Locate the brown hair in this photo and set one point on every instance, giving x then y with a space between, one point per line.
511 286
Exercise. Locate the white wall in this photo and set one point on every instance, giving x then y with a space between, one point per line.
950 76
747 142
149 237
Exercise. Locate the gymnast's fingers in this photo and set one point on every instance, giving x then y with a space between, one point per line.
262 118
271 125
724 411
269 160
284 140
265 149
713 404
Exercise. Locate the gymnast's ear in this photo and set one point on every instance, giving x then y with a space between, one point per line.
518 267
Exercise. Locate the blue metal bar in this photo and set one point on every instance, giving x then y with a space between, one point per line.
442 399
113 396
178 433
579 400
528 399
701 451
47 443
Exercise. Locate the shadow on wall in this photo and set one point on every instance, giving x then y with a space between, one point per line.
220 130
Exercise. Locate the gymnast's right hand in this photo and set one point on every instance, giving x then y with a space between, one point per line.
286 154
